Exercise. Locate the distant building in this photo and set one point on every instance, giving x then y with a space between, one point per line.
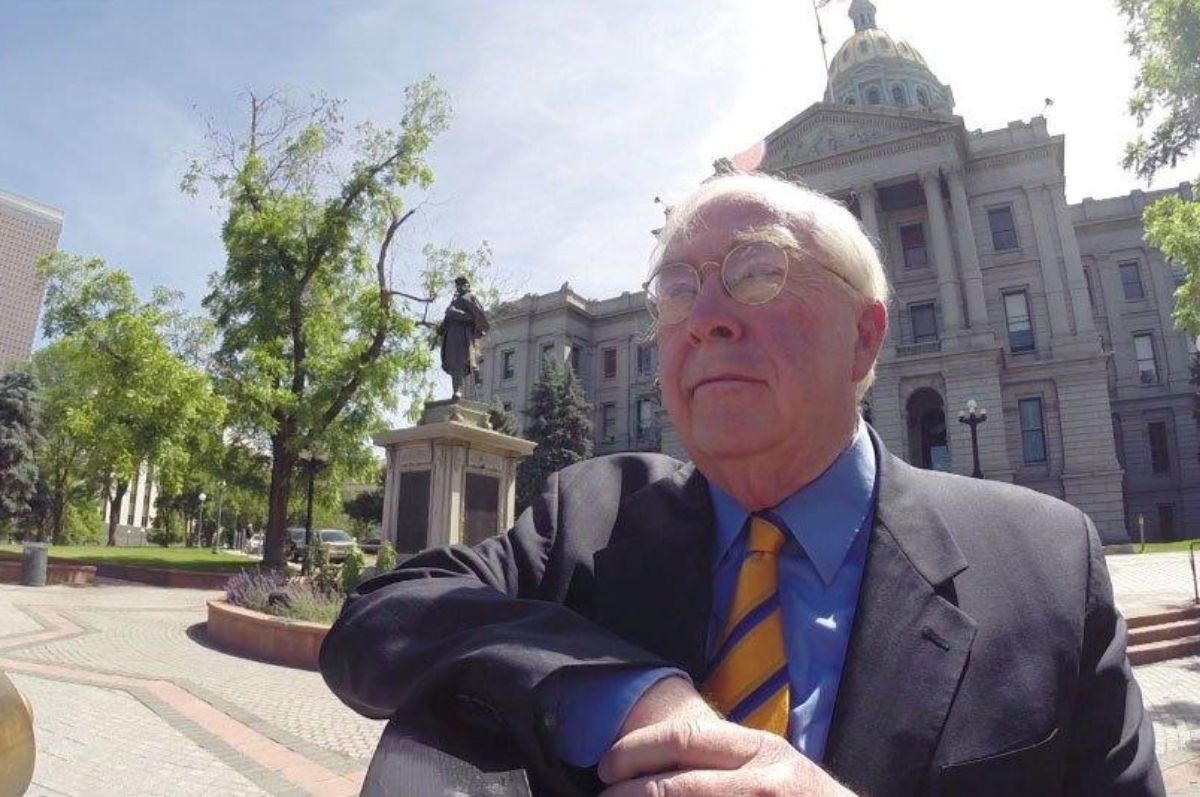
28 230
1054 317
138 510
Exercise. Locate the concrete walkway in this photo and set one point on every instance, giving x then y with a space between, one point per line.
130 699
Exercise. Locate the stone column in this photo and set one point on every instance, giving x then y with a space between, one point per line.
391 494
870 216
968 250
1076 282
1051 276
943 255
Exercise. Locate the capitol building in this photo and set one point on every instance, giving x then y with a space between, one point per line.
1055 317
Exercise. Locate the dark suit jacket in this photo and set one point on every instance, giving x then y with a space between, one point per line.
987 656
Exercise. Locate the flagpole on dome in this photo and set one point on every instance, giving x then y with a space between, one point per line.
819 4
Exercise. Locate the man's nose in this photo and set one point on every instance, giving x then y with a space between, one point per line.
714 315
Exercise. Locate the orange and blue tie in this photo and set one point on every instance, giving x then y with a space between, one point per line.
748 677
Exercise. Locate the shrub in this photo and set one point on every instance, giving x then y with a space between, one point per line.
386 559
325 576
352 571
252 589
274 593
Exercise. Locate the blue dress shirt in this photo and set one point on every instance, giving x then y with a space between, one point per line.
820 571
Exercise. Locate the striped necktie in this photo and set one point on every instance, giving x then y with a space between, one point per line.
748 678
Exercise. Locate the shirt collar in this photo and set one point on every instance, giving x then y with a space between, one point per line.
824 517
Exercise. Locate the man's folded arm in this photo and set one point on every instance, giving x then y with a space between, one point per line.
465 633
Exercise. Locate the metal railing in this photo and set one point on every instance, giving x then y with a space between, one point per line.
1192 561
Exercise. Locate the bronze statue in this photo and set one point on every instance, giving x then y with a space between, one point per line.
463 325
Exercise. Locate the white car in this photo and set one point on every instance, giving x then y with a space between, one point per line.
254 544
336 543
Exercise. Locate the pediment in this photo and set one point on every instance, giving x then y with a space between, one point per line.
826 130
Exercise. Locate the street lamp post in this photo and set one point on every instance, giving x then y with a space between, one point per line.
200 528
312 463
973 417
216 540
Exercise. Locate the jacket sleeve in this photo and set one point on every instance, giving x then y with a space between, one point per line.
470 635
1112 739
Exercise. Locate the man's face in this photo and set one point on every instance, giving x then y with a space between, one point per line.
777 378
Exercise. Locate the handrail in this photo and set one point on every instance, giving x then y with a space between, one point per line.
1192 561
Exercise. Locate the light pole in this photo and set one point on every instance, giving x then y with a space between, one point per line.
312 463
216 540
200 529
973 417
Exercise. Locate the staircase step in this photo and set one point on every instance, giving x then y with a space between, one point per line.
1157 633
1165 649
1164 616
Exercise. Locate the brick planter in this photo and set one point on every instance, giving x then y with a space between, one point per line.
161 577
56 573
294 643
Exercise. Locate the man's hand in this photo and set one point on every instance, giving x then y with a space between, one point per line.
673 743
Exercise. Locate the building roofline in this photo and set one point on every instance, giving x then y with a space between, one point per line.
31 206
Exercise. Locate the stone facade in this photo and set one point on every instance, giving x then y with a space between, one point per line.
28 230
1056 318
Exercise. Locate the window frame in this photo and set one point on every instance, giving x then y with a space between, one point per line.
924 247
508 366
608 416
1039 430
1156 377
1010 322
996 233
912 325
1134 267
1160 455
608 357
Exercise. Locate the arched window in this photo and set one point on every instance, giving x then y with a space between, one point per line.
922 97
899 95
850 100
873 96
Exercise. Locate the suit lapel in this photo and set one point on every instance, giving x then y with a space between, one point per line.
909 645
654 580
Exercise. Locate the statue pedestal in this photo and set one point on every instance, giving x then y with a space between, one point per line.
450 479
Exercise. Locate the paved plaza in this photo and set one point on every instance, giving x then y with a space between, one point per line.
130 698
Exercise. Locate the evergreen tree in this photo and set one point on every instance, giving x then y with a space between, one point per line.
502 420
18 441
560 423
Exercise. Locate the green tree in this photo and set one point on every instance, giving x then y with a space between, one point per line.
560 423
19 440
502 420
313 338
146 405
1164 38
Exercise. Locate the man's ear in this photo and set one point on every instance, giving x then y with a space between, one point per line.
872 330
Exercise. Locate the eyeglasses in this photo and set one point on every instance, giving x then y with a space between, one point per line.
752 273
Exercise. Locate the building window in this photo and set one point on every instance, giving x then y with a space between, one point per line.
1143 348
645 360
610 363
1020 327
508 369
1004 229
573 358
912 241
645 415
1160 455
899 96
1033 429
1131 281
507 406
922 97
608 422
850 100
1166 521
874 97
1087 278
547 354
924 322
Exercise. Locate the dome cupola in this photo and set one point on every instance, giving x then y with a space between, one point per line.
872 68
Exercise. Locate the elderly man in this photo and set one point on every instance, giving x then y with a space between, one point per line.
797 611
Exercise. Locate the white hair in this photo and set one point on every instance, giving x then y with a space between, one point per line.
820 223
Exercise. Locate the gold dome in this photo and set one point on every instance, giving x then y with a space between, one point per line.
873 45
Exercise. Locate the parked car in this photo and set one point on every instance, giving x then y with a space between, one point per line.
337 544
294 544
372 545
254 544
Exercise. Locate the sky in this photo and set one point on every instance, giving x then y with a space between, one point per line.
570 116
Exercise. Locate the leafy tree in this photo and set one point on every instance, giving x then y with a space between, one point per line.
144 404
19 439
365 509
502 420
313 338
560 423
1164 37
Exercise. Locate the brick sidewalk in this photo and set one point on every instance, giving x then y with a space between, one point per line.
128 698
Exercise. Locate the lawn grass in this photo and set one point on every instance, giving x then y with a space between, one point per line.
194 559
1168 547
